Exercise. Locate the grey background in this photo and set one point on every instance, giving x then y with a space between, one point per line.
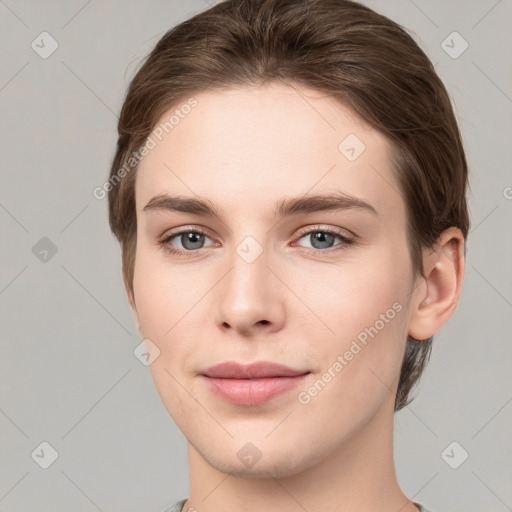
68 373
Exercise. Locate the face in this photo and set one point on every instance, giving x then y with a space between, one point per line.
321 286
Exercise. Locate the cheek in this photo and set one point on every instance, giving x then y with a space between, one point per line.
164 293
365 308
168 303
351 296
361 362
174 309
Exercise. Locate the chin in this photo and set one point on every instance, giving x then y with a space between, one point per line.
271 459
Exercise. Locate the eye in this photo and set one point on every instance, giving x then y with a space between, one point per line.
186 242
324 238
189 241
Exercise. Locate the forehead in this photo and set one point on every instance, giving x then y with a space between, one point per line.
252 146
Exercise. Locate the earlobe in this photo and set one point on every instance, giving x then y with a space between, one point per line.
435 301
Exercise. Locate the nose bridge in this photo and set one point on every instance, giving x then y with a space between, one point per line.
248 250
249 273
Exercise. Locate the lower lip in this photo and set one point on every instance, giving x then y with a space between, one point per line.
252 391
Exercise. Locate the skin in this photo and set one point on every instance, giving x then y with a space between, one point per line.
245 149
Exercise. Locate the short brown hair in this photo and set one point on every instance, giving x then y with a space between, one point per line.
340 47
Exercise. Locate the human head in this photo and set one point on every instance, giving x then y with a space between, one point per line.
338 47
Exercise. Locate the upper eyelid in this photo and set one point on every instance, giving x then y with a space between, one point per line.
319 228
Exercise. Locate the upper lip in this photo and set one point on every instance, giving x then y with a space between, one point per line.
259 369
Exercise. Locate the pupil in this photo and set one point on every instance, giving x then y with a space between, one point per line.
324 239
191 240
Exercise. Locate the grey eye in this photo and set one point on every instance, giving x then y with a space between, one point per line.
321 239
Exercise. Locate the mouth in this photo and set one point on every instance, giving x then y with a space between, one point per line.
252 384
257 370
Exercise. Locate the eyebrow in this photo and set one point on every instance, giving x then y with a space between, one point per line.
286 207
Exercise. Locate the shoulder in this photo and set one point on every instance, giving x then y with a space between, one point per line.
422 507
178 506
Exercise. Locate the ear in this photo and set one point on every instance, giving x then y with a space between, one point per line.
436 297
133 306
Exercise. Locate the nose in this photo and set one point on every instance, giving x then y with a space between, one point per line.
249 298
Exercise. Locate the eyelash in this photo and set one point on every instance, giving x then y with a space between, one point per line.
345 241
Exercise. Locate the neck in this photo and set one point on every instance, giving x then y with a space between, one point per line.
357 476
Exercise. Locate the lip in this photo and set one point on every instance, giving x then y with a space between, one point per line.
257 370
251 384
